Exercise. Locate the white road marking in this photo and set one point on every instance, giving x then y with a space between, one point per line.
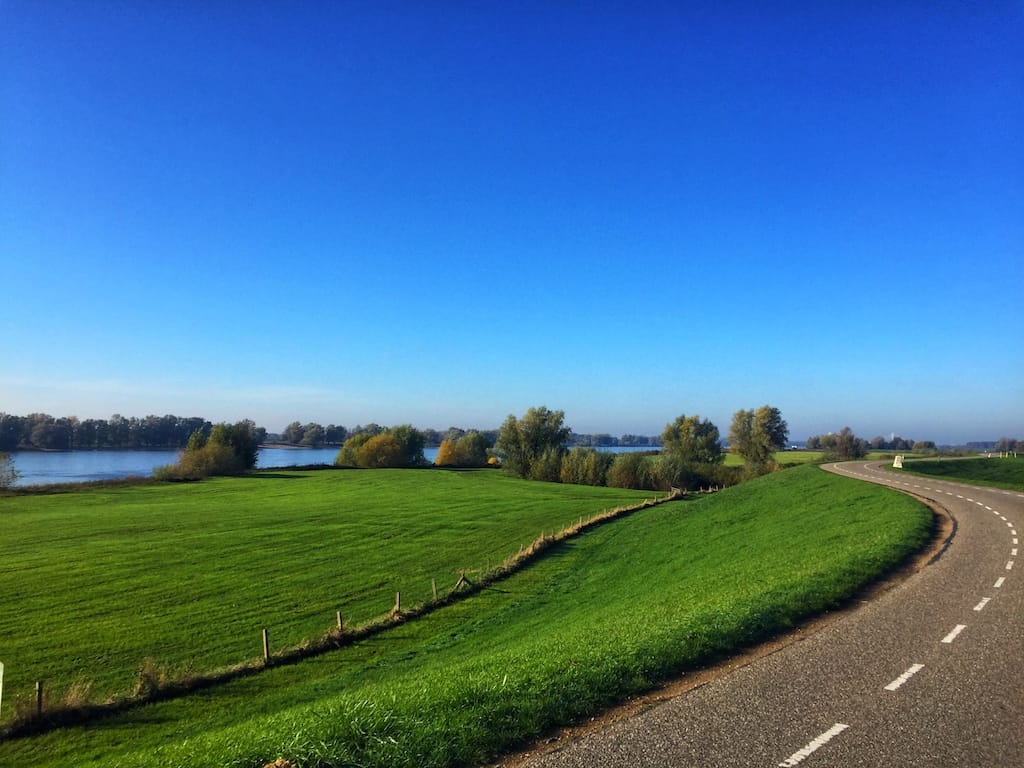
1009 524
982 604
801 754
914 669
1013 551
999 582
1009 565
1015 541
956 631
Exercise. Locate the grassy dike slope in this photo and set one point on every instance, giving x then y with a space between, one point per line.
991 471
610 613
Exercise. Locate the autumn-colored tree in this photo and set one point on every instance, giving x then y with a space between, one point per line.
469 450
381 451
348 455
447 455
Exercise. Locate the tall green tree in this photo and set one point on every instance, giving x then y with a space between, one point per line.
691 440
411 441
843 445
538 438
241 438
757 435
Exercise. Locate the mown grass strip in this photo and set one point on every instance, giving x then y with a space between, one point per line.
600 617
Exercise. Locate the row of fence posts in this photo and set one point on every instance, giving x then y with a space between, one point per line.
397 609
266 641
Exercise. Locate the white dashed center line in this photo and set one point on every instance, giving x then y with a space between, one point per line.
800 755
956 631
914 669
999 582
982 604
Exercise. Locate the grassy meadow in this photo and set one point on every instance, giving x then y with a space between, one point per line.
597 618
187 575
996 472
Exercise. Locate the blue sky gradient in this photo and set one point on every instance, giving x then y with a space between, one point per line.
354 212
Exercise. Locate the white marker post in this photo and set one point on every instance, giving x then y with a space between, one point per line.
897 462
1 687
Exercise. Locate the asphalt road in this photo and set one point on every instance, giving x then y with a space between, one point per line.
929 673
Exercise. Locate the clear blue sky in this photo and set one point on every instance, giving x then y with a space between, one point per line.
354 212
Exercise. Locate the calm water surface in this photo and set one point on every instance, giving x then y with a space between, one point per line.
42 467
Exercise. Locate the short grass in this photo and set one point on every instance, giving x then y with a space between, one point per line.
782 458
95 582
996 472
608 614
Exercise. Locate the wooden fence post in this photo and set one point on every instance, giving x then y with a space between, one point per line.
433 588
39 698
341 625
266 646
398 603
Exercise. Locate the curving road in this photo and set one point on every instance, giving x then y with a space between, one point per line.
931 673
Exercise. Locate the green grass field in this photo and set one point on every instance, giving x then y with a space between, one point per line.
189 574
996 472
607 614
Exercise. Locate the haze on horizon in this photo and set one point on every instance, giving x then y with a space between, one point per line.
441 216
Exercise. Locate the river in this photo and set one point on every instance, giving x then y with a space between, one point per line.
44 467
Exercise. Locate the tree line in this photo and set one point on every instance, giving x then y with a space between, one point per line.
536 447
846 445
42 431
314 435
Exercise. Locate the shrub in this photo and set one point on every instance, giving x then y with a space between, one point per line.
586 466
547 465
634 470
8 474
381 451
348 456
